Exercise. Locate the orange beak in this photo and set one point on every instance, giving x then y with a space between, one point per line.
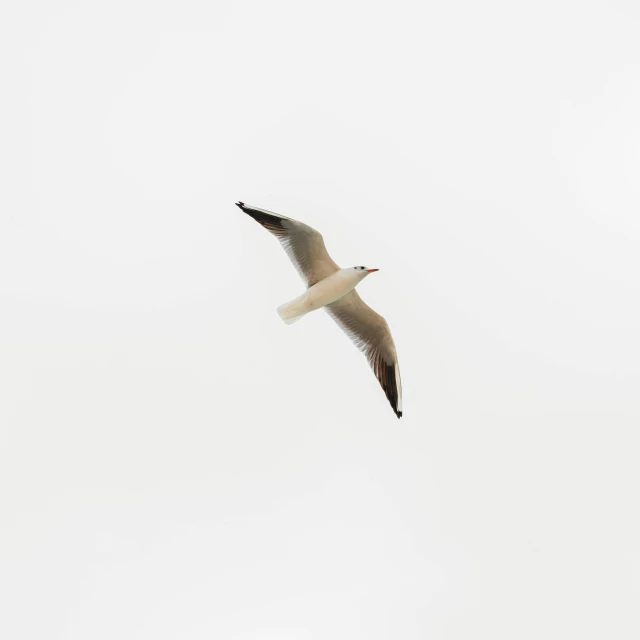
372 270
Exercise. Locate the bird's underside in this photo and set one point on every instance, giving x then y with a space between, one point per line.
366 328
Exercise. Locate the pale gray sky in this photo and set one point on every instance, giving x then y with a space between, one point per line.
167 466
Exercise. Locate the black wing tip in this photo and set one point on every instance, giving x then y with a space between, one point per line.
398 413
269 221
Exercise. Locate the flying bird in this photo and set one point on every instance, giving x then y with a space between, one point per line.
333 288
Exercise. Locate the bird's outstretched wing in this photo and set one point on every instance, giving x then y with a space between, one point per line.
303 244
370 333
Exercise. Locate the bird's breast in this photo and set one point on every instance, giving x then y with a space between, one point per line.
328 290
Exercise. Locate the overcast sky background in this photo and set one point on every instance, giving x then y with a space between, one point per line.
176 463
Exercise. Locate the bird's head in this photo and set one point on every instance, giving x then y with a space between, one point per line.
363 271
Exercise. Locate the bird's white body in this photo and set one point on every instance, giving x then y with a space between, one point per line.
322 293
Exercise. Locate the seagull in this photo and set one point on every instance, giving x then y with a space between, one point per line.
333 288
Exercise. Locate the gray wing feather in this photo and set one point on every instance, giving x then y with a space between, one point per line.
303 244
370 333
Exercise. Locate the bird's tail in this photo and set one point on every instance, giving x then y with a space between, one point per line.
292 311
